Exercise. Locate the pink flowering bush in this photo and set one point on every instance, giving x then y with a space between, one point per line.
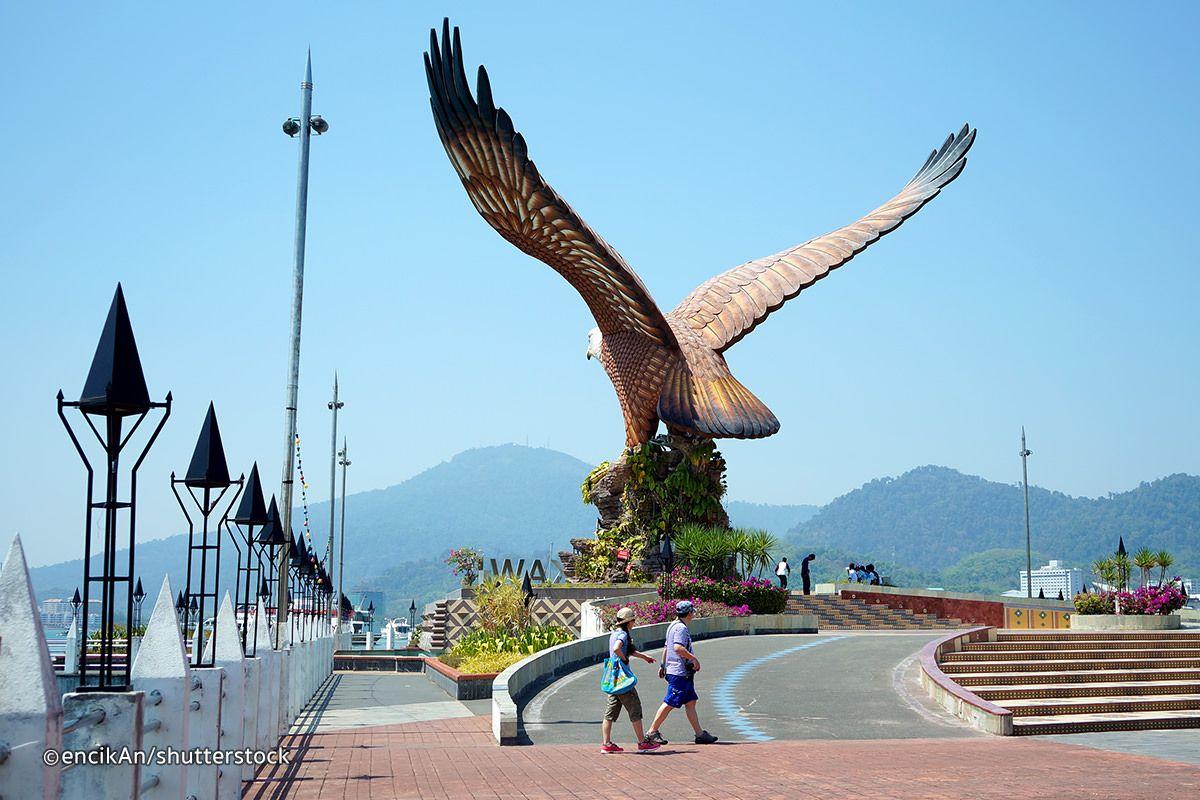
1145 600
658 611
762 596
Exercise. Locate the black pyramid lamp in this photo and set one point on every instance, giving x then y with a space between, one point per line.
75 604
181 611
296 561
251 513
139 594
371 616
272 541
412 615
114 390
206 483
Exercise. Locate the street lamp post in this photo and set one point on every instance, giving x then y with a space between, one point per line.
115 389
1025 454
139 594
305 125
335 405
344 461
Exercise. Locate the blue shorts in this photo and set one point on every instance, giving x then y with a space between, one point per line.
681 690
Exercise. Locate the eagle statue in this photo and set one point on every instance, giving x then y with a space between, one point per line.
669 367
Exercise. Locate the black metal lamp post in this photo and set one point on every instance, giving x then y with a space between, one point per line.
412 615
139 594
251 513
192 622
207 474
371 617
271 541
115 389
75 604
295 565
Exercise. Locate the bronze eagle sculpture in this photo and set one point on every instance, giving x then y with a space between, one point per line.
671 366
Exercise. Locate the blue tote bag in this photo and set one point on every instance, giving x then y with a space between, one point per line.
617 677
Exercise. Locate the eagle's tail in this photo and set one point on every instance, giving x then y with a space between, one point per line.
719 407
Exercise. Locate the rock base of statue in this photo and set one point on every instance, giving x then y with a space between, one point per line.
646 494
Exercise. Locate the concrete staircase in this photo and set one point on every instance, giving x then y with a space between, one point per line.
837 613
1075 682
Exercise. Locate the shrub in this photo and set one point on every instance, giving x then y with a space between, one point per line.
466 563
759 594
1146 600
1098 603
500 604
483 651
658 611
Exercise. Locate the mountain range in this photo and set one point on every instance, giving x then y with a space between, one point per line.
929 526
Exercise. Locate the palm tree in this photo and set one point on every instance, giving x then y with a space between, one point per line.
1106 570
1164 560
1123 565
1145 560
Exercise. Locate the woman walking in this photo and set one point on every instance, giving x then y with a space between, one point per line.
620 645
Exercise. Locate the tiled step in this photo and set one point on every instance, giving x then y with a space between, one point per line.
996 693
1084 644
1080 676
1113 663
1100 705
1080 636
1091 723
1068 655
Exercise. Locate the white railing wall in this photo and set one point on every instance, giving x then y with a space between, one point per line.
239 703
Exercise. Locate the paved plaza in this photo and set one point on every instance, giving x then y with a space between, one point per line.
827 715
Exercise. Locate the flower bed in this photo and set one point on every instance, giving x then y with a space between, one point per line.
760 595
658 611
1143 601
482 651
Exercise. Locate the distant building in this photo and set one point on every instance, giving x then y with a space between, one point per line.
1053 578
56 614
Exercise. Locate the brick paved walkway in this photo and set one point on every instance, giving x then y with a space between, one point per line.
456 758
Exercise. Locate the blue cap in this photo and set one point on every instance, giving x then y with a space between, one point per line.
684 607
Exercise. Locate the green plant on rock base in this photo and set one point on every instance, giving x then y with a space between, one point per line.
670 482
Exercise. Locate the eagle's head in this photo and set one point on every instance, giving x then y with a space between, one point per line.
593 348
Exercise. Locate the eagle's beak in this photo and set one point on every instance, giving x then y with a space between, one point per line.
589 354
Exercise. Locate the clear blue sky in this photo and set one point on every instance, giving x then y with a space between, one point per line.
1054 285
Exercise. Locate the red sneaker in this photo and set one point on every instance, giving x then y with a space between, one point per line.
611 748
647 746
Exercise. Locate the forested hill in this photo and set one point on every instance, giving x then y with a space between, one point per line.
933 517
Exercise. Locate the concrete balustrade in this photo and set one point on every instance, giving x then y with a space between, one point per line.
30 703
239 703
161 672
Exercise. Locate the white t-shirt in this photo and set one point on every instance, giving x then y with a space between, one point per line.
782 568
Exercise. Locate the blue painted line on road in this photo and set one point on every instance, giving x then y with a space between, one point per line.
728 709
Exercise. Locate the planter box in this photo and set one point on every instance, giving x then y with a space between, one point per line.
1124 622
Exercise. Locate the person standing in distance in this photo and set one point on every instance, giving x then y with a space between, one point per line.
805 578
679 668
782 570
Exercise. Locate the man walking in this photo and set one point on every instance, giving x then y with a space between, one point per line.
805 578
679 667
782 570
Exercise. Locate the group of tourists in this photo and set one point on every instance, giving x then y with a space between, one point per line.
858 573
783 570
678 666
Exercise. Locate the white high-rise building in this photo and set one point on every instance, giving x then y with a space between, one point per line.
1053 578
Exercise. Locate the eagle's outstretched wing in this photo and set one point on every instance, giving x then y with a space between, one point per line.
507 190
725 308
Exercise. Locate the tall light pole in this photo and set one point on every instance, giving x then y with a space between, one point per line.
334 406
304 125
1025 454
341 587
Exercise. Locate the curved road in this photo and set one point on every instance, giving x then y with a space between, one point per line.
837 685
